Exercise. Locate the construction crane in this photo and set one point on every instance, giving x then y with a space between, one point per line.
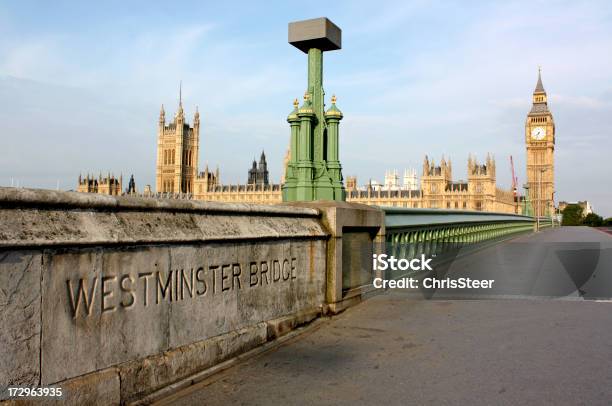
515 190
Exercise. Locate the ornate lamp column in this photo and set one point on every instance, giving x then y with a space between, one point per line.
314 178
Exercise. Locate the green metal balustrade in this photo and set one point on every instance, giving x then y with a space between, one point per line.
412 232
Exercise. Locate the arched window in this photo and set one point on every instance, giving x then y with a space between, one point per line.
173 154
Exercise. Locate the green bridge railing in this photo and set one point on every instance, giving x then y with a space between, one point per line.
412 232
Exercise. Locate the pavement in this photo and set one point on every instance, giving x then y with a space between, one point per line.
397 350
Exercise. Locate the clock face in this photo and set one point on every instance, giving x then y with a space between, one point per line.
538 133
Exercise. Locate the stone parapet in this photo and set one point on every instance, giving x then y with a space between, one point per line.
49 218
113 298
357 232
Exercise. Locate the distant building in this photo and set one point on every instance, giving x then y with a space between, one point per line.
106 185
351 183
438 190
411 182
178 147
131 189
258 174
206 181
540 144
391 180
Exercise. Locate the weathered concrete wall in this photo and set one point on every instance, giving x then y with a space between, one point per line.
113 298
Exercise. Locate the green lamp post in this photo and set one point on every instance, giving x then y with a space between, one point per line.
314 171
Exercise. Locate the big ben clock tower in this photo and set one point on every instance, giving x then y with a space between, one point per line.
540 142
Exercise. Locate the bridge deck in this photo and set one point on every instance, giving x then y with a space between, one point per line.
396 350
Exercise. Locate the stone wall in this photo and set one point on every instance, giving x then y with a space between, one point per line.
114 298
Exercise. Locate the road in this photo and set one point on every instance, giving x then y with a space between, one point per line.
397 350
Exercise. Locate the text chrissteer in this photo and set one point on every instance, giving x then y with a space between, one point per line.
433 283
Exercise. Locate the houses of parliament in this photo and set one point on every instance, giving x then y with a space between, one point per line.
178 147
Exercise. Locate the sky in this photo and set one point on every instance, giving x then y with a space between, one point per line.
81 85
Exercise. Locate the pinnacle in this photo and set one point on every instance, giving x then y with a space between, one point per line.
539 87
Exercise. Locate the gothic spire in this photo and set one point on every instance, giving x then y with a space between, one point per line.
540 104
179 112
539 87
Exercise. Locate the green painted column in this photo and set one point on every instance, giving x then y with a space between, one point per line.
316 174
317 95
304 187
333 116
291 175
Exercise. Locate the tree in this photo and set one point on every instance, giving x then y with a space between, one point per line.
572 215
593 220
607 222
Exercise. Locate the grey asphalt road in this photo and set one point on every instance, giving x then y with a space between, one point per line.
395 350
